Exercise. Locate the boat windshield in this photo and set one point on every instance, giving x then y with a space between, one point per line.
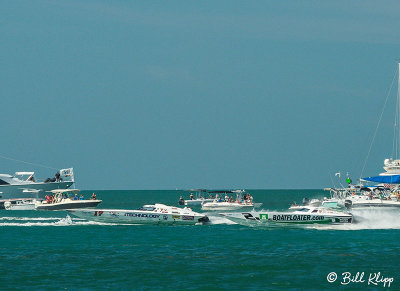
304 210
147 208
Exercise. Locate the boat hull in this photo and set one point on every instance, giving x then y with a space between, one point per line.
197 202
136 217
74 204
289 217
228 206
377 203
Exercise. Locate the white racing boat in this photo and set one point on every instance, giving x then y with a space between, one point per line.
306 215
243 201
63 199
147 214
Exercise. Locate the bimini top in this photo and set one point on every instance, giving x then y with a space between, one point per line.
391 179
55 191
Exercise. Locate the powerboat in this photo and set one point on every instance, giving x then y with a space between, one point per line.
63 199
13 186
197 198
20 204
243 201
365 197
364 201
306 215
147 214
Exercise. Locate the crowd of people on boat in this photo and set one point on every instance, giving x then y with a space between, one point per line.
245 198
241 199
58 198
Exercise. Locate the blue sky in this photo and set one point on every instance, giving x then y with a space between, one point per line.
182 94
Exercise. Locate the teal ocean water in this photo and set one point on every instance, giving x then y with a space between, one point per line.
43 250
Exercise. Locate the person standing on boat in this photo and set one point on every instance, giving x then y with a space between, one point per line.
81 198
93 196
76 197
57 176
191 196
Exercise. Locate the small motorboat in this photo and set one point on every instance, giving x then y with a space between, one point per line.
302 216
20 204
197 198
63 199
147 214
243 201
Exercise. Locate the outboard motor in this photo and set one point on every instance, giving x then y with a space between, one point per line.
348 203
204 219
306 201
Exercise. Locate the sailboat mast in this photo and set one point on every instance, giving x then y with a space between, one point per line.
397 118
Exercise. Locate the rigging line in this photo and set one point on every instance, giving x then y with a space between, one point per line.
379 122
33 164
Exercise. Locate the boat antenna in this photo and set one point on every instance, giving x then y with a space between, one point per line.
379 122
29 163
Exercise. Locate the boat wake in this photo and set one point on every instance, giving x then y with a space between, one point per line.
47 221
217 219
373 218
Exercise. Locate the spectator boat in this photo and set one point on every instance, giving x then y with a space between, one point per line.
63 199
13 186
197 198
224 202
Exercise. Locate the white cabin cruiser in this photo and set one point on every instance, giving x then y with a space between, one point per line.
147 214
63 199
306 215
365 201
13 186
242 201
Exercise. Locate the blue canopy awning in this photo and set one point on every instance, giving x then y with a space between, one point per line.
392 179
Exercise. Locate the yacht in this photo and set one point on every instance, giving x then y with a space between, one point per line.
25 185
385 191
147 214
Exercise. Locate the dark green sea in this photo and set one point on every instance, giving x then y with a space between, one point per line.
42 250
